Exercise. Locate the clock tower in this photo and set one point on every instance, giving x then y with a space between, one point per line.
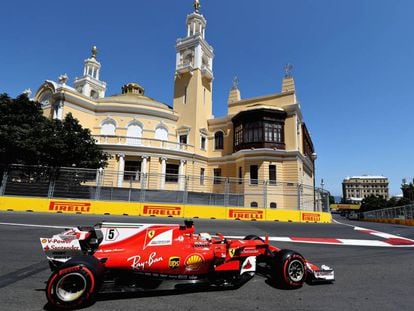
193 80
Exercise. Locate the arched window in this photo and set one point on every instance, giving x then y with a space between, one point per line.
254 204
161 133
273 205
108 127
134 133
218 140
45 99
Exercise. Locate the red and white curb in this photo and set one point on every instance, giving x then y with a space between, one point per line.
390 240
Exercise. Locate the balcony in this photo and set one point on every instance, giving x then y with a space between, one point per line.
183 68
206 72
142 142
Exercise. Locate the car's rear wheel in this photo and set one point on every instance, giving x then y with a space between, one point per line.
252 237
75 283
289 270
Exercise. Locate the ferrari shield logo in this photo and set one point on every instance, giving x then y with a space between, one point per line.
232 251
151 234
174 262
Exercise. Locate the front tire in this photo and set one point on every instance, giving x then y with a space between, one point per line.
75 283
289 269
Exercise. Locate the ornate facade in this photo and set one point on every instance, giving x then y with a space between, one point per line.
261 140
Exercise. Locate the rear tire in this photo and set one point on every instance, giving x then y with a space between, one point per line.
252 237
289 269
75 283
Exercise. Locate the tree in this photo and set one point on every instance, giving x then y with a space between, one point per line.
27 137
21 124
372 203
70 145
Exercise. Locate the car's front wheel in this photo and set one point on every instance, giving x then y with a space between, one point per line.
289 270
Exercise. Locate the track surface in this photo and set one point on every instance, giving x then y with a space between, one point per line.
367 278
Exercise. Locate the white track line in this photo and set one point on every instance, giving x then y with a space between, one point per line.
30 225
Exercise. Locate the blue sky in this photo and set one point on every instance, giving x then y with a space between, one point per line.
353 63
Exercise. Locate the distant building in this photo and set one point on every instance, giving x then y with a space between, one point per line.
408 190
356 188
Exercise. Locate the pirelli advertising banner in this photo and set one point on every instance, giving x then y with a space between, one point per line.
162 210
69 206
205 211
242 213
159 210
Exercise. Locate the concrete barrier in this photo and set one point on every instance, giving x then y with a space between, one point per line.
158 210
395 221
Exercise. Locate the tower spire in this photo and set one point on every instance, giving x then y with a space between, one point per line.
90 84
94 51
288 83
193 79
196 6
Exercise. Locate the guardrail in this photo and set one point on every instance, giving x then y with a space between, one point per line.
98 184
398 215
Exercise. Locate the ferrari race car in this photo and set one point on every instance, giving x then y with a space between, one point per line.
129 257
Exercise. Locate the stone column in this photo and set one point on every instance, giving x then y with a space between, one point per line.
181 176
163 171
121 168
144 167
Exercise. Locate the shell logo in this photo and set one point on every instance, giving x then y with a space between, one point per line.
194 262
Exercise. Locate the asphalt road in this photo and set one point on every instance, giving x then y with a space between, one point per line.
367 278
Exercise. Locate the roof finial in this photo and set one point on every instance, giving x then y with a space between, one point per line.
196 6
94 51
288 70
235 83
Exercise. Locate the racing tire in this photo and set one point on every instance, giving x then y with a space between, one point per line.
75 283
289 269
252 237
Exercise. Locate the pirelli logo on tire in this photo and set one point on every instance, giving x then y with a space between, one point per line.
249 214
160 210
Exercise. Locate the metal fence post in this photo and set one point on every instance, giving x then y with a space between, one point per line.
4 182
226 191
51 185
265 194
99 174
143 186
299 196
185 190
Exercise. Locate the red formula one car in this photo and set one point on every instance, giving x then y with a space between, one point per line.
125 257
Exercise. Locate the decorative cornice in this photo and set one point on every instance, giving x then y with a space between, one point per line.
260 98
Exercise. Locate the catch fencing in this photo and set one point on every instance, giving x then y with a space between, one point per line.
99 184
405 212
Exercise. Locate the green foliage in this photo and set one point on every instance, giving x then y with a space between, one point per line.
331 199
372 203
378 202
27 137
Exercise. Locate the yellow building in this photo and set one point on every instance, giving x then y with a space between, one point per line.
260 154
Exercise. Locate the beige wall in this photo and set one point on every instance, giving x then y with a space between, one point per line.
195 114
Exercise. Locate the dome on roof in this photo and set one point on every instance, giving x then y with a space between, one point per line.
133 88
